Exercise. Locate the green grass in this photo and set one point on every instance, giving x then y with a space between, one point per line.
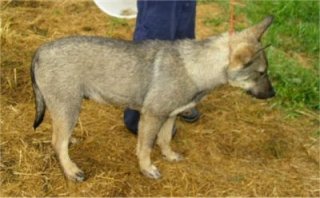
296 86
214 21
295 31
316 134
296 24
114 24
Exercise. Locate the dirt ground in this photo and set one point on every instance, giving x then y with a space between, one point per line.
240 147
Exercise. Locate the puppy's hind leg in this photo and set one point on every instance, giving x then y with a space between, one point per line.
64 120
164 138
149 126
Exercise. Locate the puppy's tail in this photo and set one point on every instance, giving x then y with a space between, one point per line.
39 100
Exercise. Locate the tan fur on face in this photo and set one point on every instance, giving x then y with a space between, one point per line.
241 55
242 52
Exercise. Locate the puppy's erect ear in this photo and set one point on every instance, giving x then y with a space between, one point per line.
245 54
260 28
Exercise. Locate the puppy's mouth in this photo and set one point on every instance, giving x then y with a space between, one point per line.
262 95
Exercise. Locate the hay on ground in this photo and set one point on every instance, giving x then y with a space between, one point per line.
239 147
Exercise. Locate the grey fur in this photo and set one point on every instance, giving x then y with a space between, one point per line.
115 71
158 78
39 100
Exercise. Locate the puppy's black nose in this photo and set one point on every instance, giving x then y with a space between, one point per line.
262 95
272 92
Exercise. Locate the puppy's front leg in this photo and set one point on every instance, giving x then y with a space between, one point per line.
149 126
164 138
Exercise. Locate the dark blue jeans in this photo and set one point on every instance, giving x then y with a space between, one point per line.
163 20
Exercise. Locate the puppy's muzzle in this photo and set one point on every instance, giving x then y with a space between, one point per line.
262 95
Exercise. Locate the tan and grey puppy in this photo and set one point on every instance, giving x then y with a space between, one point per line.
159 78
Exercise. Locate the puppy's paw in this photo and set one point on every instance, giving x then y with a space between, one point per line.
74 173
151 172
76 177
173 157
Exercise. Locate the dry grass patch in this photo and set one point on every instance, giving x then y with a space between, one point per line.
239 147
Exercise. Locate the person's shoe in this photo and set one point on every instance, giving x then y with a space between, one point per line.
191 115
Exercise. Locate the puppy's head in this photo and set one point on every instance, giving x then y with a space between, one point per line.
248 63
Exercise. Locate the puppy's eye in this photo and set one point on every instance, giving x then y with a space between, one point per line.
248 63
261 73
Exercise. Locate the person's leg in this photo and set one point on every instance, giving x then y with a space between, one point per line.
155 20
131 119
163 20
186 19
186 29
